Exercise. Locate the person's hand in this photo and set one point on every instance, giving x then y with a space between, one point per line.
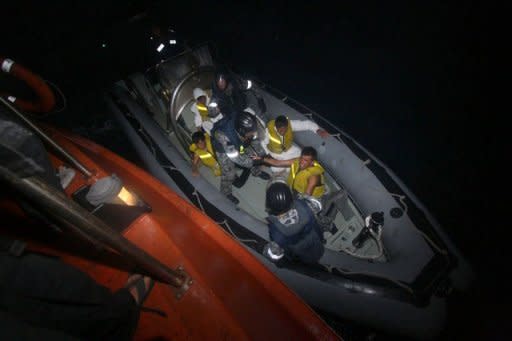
195 172
322 133
256 158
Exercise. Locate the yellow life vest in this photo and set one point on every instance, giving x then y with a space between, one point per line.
207 156
298 179
275 142
203 111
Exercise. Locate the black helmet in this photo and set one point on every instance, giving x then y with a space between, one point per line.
245 123
279 198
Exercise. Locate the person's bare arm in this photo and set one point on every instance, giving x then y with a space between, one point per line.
278 163
298 125
322 133
195 165
313 181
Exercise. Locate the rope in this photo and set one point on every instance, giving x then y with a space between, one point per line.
198 200
399 196
171 168
225 222
424 235
431 242
337 136
234 235
365 164
377 239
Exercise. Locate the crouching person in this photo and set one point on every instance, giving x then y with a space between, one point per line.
235 141
293 228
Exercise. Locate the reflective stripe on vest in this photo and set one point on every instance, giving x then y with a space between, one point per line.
235 153
203 110
276 143
298 179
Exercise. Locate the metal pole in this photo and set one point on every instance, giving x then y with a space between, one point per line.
48 139
74 216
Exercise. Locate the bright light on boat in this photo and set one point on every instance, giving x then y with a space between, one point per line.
232 154
212 105
127 197
172 42
160 47
103 45
249 84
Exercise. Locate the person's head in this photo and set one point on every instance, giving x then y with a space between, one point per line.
281 124
246 126
221 80
199 139
279 198
199 95
307 157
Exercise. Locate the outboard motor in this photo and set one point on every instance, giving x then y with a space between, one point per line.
374 223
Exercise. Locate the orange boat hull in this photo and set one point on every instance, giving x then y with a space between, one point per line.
231 295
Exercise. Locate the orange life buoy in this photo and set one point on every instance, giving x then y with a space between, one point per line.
45 98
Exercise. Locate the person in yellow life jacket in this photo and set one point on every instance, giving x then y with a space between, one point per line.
306 175
199 107
278 141
203 152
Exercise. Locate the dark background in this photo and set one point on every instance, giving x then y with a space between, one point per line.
408 81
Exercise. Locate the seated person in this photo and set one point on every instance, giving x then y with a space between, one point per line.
203 152
278 140
202 120
293 229
306 175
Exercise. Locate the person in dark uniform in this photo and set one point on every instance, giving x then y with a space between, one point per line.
235 142
228 93
293 228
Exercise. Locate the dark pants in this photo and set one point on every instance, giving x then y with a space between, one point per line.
228 176
47 294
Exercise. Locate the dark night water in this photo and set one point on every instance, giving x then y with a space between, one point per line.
406 82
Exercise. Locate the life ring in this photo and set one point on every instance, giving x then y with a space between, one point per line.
45 98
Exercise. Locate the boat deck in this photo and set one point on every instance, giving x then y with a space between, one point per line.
252 198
